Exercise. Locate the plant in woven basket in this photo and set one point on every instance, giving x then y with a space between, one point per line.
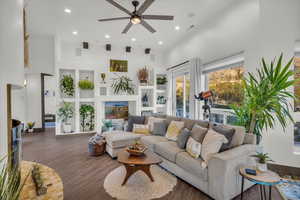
67 85
10 182
143 75
122 84
86 85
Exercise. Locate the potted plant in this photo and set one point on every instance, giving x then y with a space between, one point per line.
122 84
30 126
143 75
86 84
67 85
87 115
65 113
108 125
266 99
10 184
262 159
161 80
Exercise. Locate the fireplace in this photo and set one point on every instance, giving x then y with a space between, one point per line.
116 110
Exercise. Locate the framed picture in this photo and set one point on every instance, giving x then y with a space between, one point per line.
118 66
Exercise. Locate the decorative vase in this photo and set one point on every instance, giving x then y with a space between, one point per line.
103 75
67 127
30 130
110 129
262 167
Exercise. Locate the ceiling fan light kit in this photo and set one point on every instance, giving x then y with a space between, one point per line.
137 17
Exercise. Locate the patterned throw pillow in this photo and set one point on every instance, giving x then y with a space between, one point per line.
174 130
141 129
193 148
152 120
212 144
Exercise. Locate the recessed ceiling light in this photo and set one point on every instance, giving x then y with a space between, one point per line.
67 10
75 32
160 42
107 36
177 28
133 39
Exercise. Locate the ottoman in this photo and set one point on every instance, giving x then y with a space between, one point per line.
118 140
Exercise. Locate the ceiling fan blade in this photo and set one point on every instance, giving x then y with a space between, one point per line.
158 17
126 29
112 19
119 6
148 27
144 6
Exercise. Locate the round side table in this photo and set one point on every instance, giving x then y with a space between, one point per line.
263 179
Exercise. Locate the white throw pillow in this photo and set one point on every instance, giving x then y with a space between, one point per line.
193 147
141 129
174 129
211 144
152 120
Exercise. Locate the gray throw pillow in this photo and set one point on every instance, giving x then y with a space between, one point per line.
159 128
198 133
134 120
227 132
183 137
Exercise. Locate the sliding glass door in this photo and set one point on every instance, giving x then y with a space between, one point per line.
181 95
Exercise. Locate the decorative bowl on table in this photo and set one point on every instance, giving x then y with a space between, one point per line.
136 149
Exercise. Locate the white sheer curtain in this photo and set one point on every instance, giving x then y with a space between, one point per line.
196 88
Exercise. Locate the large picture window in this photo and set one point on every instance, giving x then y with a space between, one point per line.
226 85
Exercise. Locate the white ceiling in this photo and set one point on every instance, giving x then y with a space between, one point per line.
48 17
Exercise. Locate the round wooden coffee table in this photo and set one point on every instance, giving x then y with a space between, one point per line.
263 179
136 163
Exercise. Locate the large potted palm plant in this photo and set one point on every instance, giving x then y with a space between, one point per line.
266 97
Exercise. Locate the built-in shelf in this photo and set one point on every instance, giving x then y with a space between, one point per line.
147 108
160 91
160 105
146 86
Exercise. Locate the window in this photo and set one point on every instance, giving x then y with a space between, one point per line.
297 105
226 85
182 95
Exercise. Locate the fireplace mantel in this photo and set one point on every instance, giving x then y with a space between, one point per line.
118 98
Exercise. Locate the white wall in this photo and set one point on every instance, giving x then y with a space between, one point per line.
260 28
97 58
11 58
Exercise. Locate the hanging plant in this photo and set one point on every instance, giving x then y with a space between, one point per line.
87 116
122 84
86 85
67 85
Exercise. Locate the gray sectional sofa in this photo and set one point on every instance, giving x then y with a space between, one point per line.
220 179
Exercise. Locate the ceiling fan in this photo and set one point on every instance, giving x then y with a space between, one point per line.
137 17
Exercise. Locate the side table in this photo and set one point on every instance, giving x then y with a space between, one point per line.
263 179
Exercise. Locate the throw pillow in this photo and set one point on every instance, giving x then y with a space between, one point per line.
183 137
141 129
212 144
227 132
174 129
193 148
151 121
134 120
198 133
159 128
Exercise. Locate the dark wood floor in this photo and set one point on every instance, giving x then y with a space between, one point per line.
83 175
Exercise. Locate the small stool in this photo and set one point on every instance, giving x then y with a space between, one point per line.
97 149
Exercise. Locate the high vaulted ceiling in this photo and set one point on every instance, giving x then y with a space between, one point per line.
47 17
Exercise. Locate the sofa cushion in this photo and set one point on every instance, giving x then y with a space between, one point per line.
198 133
134 120
151 140
152 120
159 128
183 137
238 137
118 139
191 165
193 147
227 131
174 129
169 119
167 150
141 129
189 123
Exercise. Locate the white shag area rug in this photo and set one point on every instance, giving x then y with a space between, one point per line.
139 186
